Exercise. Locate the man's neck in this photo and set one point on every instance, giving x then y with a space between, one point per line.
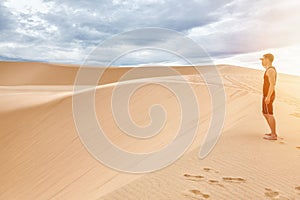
268 66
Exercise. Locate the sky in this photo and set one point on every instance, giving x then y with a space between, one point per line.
236 32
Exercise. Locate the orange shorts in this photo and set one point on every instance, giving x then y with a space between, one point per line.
268 108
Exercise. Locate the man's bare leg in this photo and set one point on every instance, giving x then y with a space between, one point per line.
272 124
268 121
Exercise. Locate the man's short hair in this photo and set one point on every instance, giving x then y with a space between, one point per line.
269 56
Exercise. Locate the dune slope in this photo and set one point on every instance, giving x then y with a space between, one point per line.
42 156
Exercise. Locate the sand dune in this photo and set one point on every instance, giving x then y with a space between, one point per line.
42 156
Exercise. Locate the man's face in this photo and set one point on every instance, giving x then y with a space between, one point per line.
264 61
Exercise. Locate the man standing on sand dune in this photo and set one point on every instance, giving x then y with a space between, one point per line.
270 77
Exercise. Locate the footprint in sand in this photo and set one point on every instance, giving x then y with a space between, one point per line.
210 170
296 114
197 193
234 180
282 142
298 189
298 147
215 182
193 177
270 193
274 194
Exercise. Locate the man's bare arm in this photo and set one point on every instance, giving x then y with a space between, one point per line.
271 75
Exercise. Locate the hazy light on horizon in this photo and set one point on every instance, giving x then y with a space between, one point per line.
286 59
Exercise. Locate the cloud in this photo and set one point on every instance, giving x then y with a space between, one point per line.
249 27
7 22
55 30
66 31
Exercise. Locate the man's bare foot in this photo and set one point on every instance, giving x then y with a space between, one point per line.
271 137
268 134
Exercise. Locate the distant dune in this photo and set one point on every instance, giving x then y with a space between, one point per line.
42 156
